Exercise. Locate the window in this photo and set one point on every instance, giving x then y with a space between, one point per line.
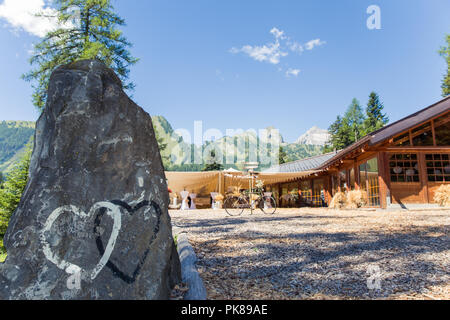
438 167
306 192
402 140
422 136
403 167
368 173
442 130
363 176
318 196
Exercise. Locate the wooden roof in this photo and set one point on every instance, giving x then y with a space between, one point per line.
410 121
302 164
379 136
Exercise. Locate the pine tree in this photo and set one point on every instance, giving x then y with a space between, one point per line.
212 164
282 156
12 191
445 53
87 30
352 124
335 139
375 119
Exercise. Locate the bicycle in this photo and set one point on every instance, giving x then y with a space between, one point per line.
234 205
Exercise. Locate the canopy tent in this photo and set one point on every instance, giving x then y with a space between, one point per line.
197 182
218 181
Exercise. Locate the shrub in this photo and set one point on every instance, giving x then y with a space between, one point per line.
356 199
339 200
442 195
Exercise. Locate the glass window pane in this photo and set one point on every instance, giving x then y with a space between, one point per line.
404 168
402 140
437 169
372 165
442 130
422 135
362 176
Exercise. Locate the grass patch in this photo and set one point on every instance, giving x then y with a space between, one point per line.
2 257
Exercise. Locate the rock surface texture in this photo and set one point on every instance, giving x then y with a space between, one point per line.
93 220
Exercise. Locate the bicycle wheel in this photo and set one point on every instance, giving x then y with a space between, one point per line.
268 205
234 206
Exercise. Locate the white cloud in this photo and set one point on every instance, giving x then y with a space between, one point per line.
272 52
279 34
314 43
295 47
292 72
20 15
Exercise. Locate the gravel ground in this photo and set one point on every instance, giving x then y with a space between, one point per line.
321 253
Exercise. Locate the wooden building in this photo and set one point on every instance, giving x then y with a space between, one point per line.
401 163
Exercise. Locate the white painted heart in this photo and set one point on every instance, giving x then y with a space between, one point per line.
113 211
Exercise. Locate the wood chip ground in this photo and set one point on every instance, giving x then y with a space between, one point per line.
321 253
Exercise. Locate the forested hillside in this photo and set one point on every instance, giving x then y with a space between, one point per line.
14 135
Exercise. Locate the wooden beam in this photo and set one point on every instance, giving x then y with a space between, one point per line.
432 132
417 149
383 178
423 177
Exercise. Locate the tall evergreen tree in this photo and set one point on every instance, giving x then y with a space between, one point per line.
87 30
337 136
375 119
445 53
352 124
282 156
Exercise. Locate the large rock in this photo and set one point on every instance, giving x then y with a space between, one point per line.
93 220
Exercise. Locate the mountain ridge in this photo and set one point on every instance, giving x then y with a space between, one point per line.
178 155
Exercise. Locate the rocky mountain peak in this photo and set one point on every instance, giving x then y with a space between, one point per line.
314 136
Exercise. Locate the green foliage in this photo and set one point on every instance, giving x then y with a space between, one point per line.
11 192
13 136
445 53
354 124
91 35
175 157
282 156
212 164
353 121
375 119
162 146
340 136
2 252
184 167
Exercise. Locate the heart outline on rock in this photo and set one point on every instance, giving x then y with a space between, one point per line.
116 271
114 212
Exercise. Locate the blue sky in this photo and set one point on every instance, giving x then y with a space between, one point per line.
206 60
